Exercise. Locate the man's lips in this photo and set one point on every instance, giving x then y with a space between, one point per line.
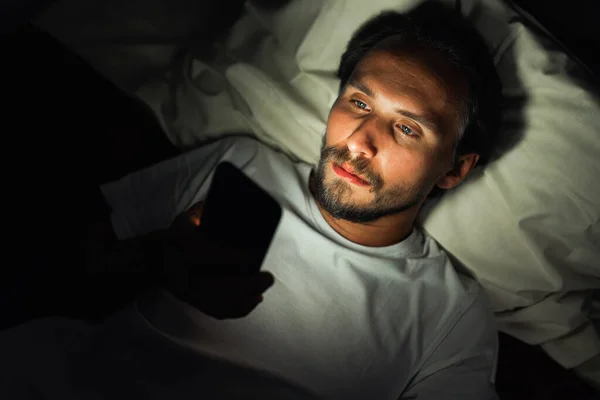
343 171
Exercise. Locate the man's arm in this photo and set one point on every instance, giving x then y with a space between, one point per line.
140 257
183 261
149 200
144 205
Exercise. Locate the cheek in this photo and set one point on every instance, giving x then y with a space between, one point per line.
406 169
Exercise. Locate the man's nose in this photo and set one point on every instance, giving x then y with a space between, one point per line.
363 141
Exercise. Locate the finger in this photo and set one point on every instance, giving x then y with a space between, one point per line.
253 285
242 309
234 286
224 308
265 280
195 213
195 220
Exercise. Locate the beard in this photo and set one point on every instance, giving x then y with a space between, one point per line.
335 195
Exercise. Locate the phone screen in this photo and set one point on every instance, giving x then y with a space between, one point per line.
239 212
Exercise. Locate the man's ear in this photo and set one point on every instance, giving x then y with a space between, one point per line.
459 171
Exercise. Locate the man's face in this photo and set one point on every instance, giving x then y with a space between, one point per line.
390 134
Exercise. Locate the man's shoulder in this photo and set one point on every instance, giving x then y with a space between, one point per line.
463 356
430 249
468 330
468 312
476 318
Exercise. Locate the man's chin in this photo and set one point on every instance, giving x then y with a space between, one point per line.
341 195
349 212
354 194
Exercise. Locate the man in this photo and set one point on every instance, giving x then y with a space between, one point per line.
361 304
353 301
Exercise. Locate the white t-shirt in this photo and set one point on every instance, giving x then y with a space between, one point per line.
342 320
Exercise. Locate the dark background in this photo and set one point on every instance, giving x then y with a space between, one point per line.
66 129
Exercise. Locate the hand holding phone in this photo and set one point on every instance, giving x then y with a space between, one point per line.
218 246
193 265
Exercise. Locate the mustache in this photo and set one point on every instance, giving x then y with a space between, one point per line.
360 166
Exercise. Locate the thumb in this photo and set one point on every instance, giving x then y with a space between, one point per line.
188 220
247 285
195 213
261 282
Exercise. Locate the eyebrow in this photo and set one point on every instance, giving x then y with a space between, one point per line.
429 121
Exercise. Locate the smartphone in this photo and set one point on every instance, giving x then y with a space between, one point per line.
240 213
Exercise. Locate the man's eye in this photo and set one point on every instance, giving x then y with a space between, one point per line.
360 104
407 131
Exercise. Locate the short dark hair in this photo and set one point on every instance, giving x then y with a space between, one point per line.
447 31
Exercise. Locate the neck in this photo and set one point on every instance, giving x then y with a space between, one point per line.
385 231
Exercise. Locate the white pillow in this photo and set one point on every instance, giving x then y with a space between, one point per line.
528 224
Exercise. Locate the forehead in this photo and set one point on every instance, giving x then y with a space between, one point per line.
418 79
